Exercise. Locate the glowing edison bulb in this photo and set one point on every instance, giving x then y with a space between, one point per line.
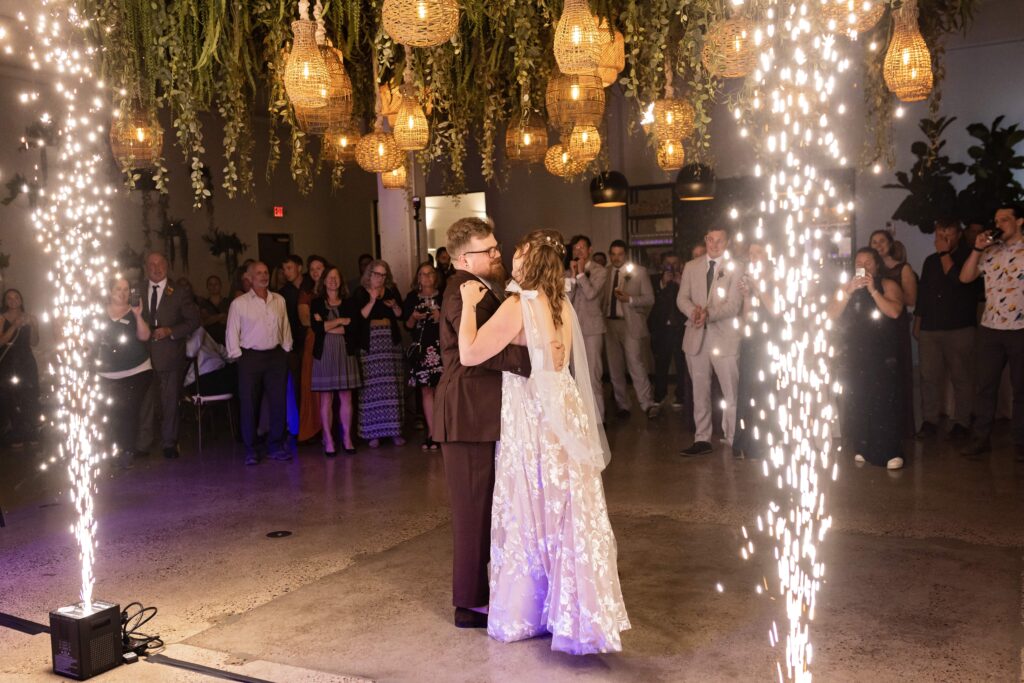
565 158
574 91
380 149
343 141
140 134
669 117
527 138
906 56
305 70
577 34
421 10
410 122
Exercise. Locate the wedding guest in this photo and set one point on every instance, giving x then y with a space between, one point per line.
356 282
172 315
295 281
627 302
259 338
897 269
241 283
666 324
754 414
588 280
309 403
382 399
945 319
445 269
19 374
998 257
125 369
600 258
213 309
868 311
336 370
422 313
697 251
709 297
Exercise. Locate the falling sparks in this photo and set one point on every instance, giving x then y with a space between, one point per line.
72 223
791 101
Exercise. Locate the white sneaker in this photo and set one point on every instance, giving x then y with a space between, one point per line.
894 464
858 458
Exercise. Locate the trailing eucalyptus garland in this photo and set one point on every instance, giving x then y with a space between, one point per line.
227 57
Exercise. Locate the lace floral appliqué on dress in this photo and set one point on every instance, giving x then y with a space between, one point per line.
553 553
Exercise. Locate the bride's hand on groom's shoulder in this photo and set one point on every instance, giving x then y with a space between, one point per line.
472 293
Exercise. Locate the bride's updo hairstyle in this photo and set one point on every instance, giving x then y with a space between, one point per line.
543 267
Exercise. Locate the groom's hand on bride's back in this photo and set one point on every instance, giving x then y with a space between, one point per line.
558 355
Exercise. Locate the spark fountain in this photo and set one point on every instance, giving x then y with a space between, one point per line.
72 222
790 109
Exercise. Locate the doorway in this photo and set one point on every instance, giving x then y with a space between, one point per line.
274 248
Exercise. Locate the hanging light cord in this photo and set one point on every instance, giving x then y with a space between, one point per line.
669 77
321 30
304 9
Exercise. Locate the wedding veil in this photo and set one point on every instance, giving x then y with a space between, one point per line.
576 426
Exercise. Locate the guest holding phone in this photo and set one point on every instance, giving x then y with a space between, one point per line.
868 311
125 369
382 399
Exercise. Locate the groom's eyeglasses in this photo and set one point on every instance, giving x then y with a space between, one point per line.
493 252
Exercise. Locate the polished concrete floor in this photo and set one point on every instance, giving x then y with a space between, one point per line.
924 578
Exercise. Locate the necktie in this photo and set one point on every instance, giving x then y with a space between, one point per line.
615 285
152 306
711 275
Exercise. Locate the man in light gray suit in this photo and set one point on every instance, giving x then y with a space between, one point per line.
709 296
588 280
627 303
173 315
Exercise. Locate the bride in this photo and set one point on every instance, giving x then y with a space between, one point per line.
553 554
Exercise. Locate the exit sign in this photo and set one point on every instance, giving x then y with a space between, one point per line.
278 212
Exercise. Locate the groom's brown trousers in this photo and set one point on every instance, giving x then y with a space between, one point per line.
469 469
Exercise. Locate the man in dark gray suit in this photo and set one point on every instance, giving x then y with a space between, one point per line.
172 314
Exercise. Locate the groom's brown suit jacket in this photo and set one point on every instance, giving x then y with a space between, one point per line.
467 401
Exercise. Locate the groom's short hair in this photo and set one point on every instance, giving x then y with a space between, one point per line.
465 229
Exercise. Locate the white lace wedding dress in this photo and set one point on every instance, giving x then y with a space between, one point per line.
553 554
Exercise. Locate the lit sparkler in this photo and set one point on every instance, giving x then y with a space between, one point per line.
73 223
792 107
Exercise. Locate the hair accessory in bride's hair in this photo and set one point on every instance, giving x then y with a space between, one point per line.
552 242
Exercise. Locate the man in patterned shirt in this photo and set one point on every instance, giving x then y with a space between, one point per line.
998 255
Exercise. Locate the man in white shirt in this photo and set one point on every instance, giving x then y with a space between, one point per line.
709 296
588 280
628 301
259 336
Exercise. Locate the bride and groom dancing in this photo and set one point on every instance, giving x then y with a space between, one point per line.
523 450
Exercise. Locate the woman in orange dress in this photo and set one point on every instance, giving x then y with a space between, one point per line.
309 406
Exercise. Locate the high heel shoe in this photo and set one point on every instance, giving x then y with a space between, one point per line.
350 451
329 452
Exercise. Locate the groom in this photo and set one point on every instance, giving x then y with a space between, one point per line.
467 415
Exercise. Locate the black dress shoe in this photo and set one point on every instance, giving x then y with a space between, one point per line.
171 452
698 448
927 430
467 618
976 449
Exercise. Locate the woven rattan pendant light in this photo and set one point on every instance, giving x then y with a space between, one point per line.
907 68
671 156
856 16
526 140
390 101
673 118
577 40
305 77
411 131
584 143
423 23
377 152
394 179
319 120
612 60
559 162
729 48
136 139
575 100
340 144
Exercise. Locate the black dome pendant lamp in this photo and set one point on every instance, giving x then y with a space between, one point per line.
609 189
695 183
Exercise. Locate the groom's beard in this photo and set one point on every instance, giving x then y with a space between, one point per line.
498 274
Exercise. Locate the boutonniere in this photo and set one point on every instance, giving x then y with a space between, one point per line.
170 290
720 275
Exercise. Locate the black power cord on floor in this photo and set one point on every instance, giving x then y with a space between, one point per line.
133 617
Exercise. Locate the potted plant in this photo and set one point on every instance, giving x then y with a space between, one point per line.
993 164
929 185
228 246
